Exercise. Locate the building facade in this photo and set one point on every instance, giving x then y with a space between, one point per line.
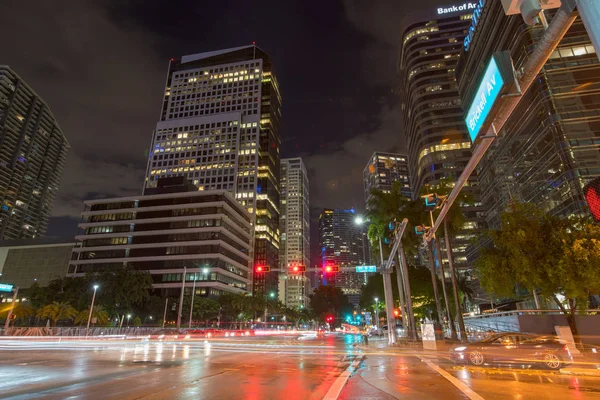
342 244
172 227
33 153
294 227
439 146
40 260
219 127
382 170
550 147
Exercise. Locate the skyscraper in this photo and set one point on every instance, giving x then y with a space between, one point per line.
382 170
341 243
219 127
33 152
438 141
549 148
294 225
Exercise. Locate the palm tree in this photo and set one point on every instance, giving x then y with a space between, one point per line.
383 208
98 312
57 311
465 289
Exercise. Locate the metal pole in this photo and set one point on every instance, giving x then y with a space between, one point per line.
589 10
10 312
181 298
459 316
192 303
389 298
165 313
409 306
401 294
87 328
438 253
560 24
438 305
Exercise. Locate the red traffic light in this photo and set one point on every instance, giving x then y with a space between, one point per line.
296 268
331 268
262 268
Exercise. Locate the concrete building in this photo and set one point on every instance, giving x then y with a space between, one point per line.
382 170
33 153
438 141
341 244
28 261
294 226
550 147
219 127
171 227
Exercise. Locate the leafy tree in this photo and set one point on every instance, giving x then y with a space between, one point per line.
98 312
56 312
137 321
329 300
122 289
204 308
541 252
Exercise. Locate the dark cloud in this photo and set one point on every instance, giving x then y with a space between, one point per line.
103 83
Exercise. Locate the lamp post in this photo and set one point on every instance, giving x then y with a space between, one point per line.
192 303
377 315
181 298
128 318
87 328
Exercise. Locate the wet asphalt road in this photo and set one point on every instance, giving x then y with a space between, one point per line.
261 368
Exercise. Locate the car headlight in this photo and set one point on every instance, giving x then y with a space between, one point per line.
461 348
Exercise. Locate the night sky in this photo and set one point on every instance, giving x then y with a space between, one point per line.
101 67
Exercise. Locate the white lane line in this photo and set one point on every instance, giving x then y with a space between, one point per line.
334 391
456 382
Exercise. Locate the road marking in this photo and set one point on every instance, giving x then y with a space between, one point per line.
456 382
334 391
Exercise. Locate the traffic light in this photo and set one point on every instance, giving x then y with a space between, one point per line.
420 229
262 269
329 319
331 268
591 191
297 268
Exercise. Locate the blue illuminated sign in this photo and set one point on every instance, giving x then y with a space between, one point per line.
485 97
366 268
474 21
5 287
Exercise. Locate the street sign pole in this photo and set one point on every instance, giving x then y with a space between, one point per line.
12 307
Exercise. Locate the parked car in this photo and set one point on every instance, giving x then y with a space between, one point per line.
399 329
514 348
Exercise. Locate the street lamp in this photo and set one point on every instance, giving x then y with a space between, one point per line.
272 295
192 302
205 271
91 308
128 317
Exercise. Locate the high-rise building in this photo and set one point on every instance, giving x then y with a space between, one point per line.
33 152
438 141
382 170
549 148
341 244
294 227
171 227
219 127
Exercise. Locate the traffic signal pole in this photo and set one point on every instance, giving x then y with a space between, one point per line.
389 298
558 27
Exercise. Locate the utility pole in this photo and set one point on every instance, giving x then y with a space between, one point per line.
436 294
192 302
438 252
165 313
401 295
181 298
409 306
459 316
389 299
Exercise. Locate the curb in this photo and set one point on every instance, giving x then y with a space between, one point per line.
581 372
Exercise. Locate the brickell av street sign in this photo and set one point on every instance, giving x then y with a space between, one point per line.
5 287
486 95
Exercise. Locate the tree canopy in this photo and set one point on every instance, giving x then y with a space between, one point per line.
541 252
